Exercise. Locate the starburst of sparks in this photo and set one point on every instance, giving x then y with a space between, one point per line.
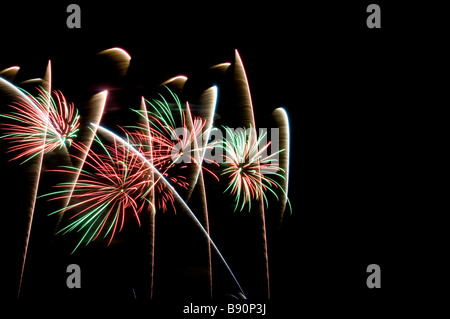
112 183
42 123
247 166
169 143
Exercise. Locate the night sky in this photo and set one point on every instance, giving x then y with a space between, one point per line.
343 86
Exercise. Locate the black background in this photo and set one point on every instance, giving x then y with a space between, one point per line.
353 195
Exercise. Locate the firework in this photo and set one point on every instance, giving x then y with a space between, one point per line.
37 119
172 142
112 180
244 162
167 147
161 179
201 140
209 97
111 184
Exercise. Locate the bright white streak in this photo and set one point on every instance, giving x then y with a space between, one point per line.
224 65
175 193
26 98
250 103
117 50
30 81
152 194
249 96
287 149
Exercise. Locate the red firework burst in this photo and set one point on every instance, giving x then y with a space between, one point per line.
41 123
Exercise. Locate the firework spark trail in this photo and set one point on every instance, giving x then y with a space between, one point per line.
201 185
248 116
281 118
17 92
34 118
177 81
26 136
171 152
148 149
176 195
119 58
211 96
165 153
